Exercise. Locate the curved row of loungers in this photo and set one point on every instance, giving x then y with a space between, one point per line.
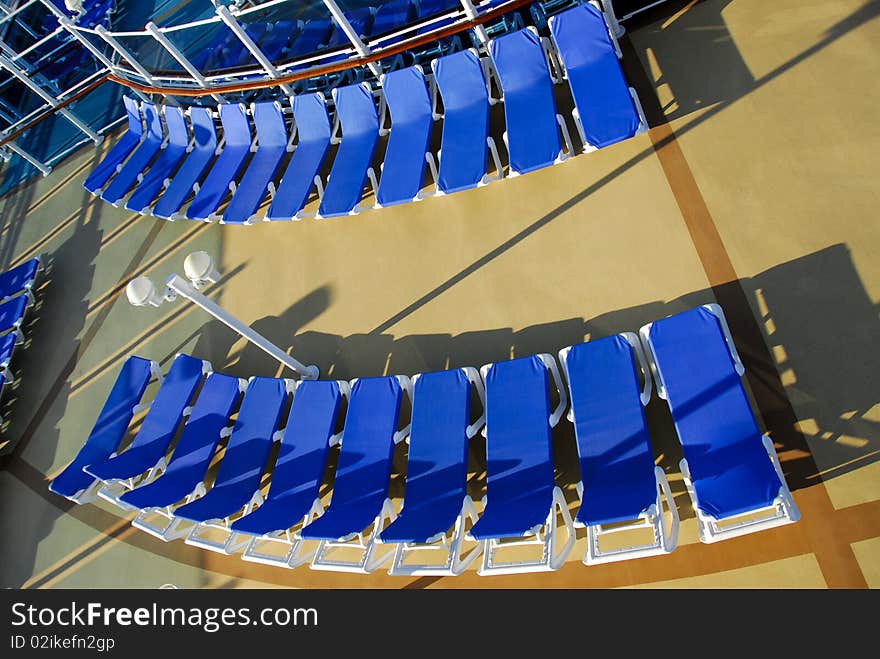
730 468
189 170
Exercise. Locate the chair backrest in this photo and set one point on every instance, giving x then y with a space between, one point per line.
406 93
176 393
135 119
529 107
276 41
252 435
12 311
236 127
110 426
18 278
310 424
201 434
705 393
605 107
269 122
153 122
360 132
610 429
519 455
204 131
465 97
436 468
361 21
176 126
362 473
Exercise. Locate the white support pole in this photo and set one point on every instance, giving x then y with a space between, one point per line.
182 287
102 32
360 47
471 12
231 22
10 66
12 146
176 53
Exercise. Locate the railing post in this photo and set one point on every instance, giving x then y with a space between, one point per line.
611 17
12 146
123 52
177 54
231 22
360 47
471 12
50 100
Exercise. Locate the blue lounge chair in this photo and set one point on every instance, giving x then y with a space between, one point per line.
237 485
293 493
121 405
163 168
356 115
7 347
403 171
185 180
361 21
20 279
619 481
606 109
12 314
314 35
463 147
730 468
360 490
145 456
221 177
522 498
128 174
183 480
111 162
436 505
533 126
275 45
393 15
257 179
312 125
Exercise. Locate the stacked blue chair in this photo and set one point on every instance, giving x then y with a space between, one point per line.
110 163
606 109
16 297
731 469
186 178
163 168
184 478
436 506
293 496
522 498
109 430
360 505
260 172
237 484
144 459
313 129
222 175
621 490
139 160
